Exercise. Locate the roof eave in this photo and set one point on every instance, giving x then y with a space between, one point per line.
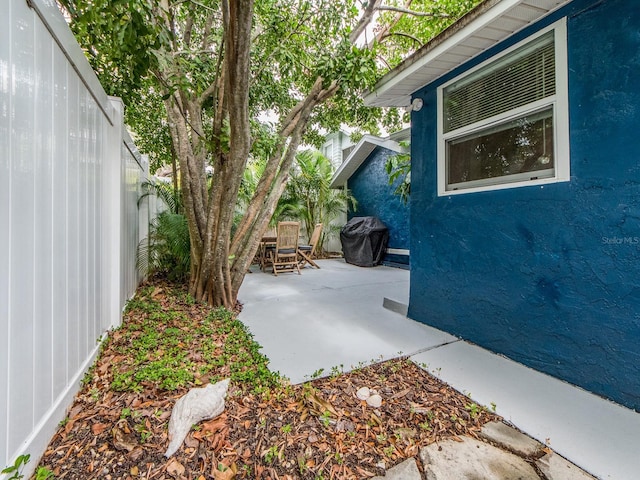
358 155
389 91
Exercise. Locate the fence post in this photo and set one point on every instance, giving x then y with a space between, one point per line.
112 204
144 208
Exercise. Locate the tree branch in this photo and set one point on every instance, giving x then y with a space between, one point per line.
406 35
365 20
387 28
413 12
186 38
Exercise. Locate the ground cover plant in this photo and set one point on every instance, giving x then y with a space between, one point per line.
168 343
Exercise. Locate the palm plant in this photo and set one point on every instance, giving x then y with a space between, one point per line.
167 193
309 198
248 185
398 168
167 248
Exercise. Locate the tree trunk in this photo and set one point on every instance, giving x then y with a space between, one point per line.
210 216
218 263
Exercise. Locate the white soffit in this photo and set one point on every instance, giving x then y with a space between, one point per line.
485 26
358 155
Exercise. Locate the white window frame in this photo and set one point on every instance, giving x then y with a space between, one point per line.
559 102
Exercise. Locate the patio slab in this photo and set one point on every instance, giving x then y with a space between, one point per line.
595 434
331 317
335 316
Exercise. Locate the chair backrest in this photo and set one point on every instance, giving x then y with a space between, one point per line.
315 237
288 233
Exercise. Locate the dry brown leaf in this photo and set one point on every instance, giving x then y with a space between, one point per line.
156 291
75 411
122 440
98 428
401 394
175 468
319 405
135 454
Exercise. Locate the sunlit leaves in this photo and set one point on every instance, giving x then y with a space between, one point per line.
409 32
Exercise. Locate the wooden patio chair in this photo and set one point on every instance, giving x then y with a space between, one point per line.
267 246
307 252
285 255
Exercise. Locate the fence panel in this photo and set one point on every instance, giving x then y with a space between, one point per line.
69 185
5 183
132 177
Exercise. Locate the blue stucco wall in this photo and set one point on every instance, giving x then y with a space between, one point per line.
370 186
548 276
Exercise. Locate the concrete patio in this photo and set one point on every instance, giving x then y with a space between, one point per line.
334 317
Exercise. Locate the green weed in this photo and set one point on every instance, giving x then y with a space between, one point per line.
16 469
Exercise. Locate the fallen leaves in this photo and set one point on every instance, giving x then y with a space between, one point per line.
318 429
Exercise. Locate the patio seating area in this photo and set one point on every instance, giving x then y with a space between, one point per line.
281 250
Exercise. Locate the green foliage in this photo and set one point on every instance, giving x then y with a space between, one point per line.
308 196
145 115
16 469
412 31
160 344
43 473
398 168
119 38
165 192
167 249
474 409
166 58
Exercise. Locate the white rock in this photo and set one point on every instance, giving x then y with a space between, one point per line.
363 393
374 401
196 405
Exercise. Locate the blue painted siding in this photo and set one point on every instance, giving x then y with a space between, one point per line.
370 186
548 276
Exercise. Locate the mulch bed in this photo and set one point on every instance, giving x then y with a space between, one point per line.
317 430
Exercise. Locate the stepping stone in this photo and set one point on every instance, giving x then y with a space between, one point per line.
554 467
471 459
407 470
511 439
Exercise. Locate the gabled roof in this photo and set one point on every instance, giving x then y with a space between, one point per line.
483 27
359 154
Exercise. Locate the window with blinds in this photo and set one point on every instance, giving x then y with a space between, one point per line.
523 77
499 123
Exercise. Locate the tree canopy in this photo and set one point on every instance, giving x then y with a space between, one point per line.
200 78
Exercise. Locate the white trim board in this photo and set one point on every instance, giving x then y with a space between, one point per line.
398 251
485 26
358 155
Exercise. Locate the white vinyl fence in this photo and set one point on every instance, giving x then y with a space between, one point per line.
69 221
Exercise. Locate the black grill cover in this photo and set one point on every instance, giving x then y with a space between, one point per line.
364 241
